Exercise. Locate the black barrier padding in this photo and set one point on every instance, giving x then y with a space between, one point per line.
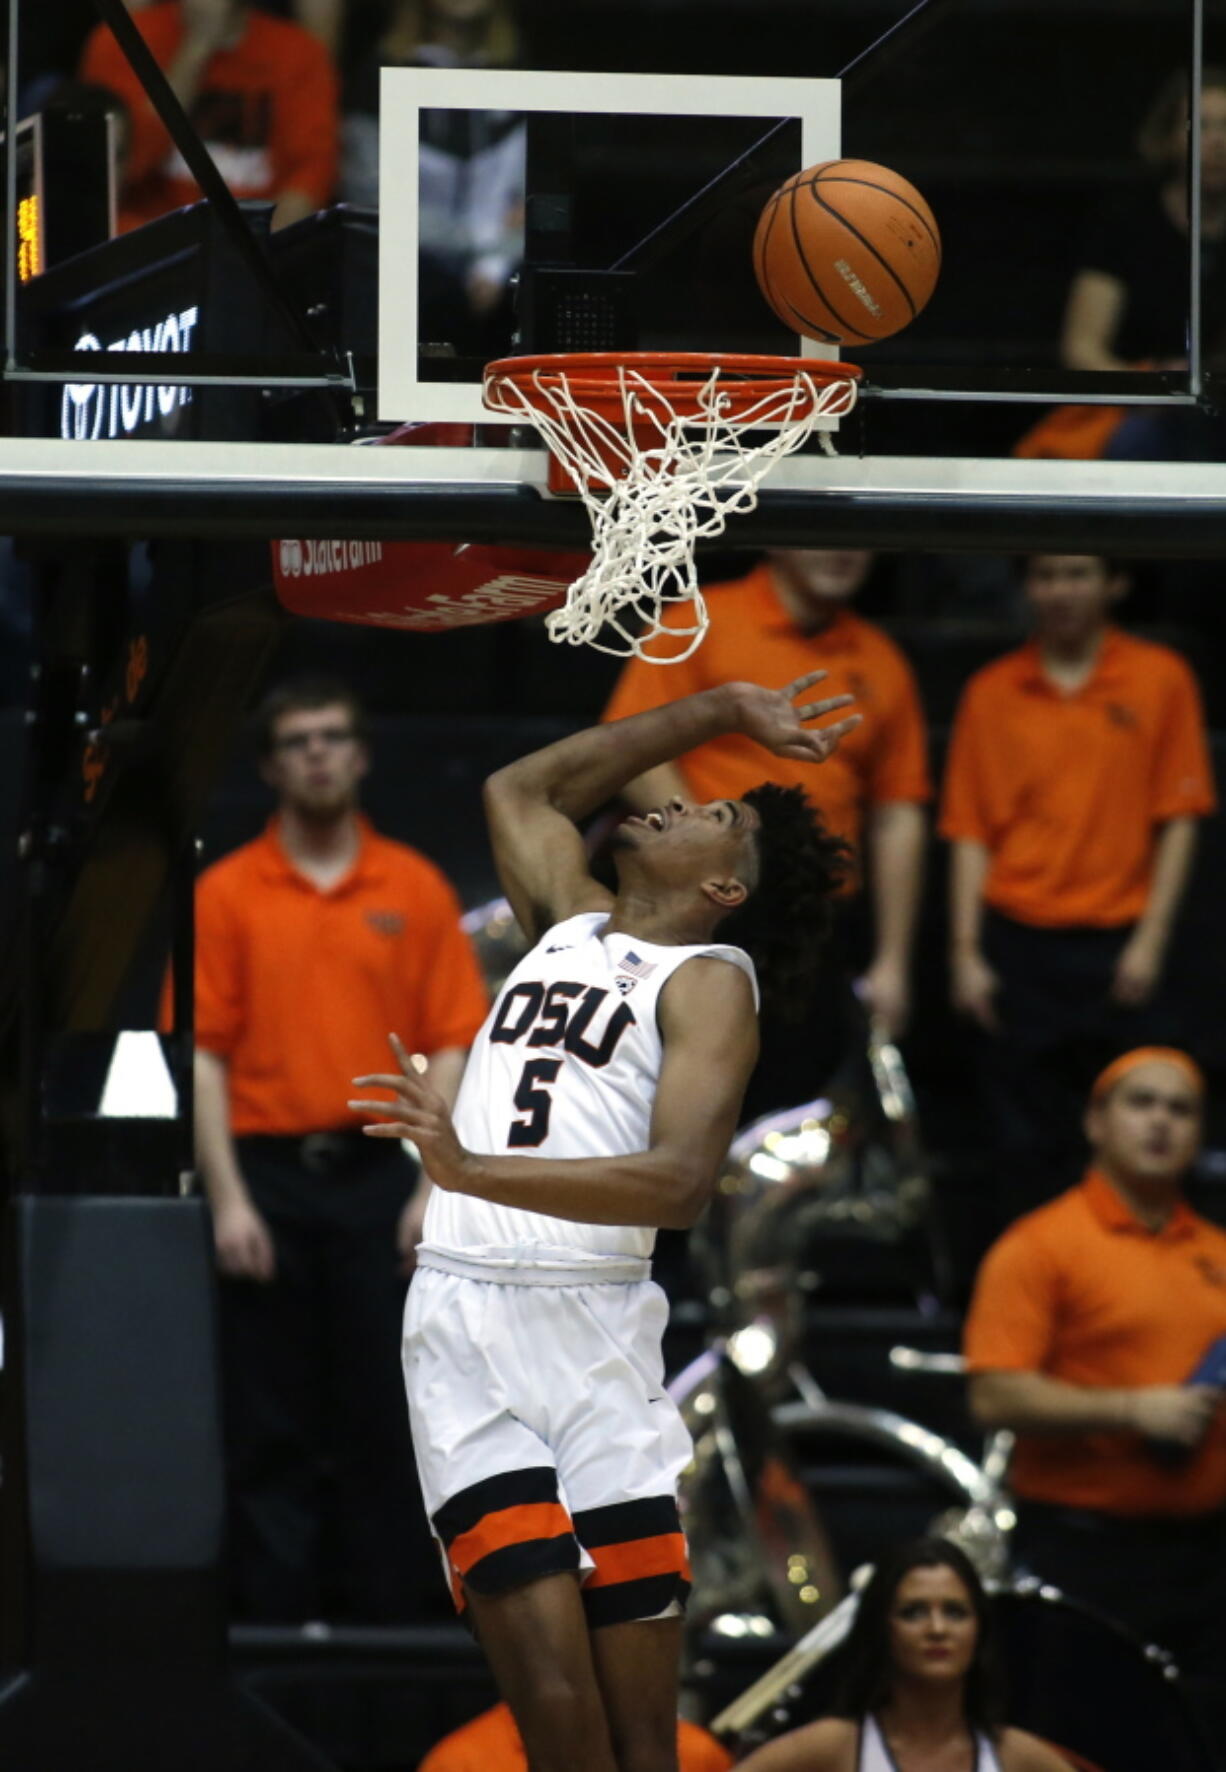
114 1605
124 1441
1079 1680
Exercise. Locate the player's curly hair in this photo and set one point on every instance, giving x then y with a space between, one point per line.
784 922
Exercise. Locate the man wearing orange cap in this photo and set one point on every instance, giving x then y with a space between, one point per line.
1097 1333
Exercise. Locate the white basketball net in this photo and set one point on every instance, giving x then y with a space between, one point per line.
659 482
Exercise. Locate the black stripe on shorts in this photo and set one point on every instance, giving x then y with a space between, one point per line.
630 1601
469 1506
623 1521
517 1564
623 1526
506 1531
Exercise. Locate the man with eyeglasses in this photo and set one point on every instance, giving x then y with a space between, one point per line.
311 943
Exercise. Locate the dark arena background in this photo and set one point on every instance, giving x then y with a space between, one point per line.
244 496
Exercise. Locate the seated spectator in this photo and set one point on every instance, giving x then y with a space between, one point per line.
1077 772
492 1743
1097 1333
790 616
260 92
471 168
920 1685
1129 302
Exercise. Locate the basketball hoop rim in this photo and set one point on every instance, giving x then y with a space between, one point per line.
662 447
595 377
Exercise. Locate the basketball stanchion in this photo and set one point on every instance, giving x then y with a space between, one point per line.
662 447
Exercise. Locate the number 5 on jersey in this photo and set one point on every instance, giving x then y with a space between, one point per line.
533 1099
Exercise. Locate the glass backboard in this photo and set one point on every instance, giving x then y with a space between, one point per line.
1019 125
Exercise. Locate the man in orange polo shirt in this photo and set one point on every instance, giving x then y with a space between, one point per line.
1077 772
1097 1333
790 616
313 943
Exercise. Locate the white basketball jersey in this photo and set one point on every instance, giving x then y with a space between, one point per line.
875 1756
565 1066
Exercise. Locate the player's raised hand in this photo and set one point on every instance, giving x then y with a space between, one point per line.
416 1111
775 719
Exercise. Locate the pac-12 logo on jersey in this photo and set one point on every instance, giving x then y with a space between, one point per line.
563 1014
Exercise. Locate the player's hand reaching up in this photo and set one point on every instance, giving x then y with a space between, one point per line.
419 1112
773 719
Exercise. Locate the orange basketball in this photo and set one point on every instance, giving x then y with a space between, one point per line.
846 252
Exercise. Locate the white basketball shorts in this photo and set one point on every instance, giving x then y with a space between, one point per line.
545 1439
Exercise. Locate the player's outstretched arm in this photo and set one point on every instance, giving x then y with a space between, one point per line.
710 1035
532 806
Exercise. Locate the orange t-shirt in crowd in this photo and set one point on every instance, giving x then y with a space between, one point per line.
1081 1290
491 1743
297 988
266 110
1065 790
752 638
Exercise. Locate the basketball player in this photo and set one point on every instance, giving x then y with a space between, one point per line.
598 1104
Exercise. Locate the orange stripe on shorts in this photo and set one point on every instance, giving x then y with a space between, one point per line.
508 1525
663 1555
459 1598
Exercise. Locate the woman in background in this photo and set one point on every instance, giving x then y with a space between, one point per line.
1128 302
920 1690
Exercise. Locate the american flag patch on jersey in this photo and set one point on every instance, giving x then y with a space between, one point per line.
637 968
